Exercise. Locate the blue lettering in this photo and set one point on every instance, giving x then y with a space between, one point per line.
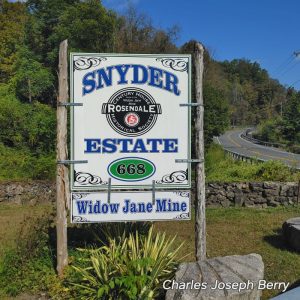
161 205
136 79
171 83
139 147
155 77
104 76
170 145
154 143
92 146
140 75
88 82
122 70
81 207
104 208
109 146
131 146
124 145
114 207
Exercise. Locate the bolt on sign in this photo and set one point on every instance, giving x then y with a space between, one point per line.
130 129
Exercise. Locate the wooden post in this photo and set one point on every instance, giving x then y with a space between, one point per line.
200 226
62 177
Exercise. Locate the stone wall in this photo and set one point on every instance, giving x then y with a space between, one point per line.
260 194
28 192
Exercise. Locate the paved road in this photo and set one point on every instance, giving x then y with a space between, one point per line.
232 141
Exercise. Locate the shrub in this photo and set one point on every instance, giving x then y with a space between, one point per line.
220 167
29 265
21 164
274 171
132 267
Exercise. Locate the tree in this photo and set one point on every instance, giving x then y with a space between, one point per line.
216 112
87 25
31 80
13 17
291 119
136 34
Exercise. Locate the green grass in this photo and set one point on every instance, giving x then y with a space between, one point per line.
243 231
222 168
12 219
229 231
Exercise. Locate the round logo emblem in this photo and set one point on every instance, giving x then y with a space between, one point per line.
132 119
131 111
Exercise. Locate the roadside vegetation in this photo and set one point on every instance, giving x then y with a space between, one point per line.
27 254
284 129
124 259
219 166
237 92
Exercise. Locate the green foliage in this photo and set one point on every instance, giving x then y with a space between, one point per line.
216 116
27 137
86 24
291 119
13 17
216 105
30 79
119 230
270 130
29 265
135 33
130 268
220 167
26 126
286 129
17 164
252 95
274 171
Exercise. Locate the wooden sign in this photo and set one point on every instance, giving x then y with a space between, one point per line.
130 206
130 127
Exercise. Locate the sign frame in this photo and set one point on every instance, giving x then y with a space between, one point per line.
158 186
180 216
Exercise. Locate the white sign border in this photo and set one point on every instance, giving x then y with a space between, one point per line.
160 187
128 220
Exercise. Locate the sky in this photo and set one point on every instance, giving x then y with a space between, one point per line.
265 31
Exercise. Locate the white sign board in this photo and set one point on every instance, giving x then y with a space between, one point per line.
130 206
130 127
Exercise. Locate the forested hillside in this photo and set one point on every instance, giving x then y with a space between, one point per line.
235 93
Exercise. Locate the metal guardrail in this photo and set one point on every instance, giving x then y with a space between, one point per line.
247 136
240 156
243 157
251 159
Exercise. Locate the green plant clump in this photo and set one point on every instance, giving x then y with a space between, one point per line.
222 168
131 267
28 267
